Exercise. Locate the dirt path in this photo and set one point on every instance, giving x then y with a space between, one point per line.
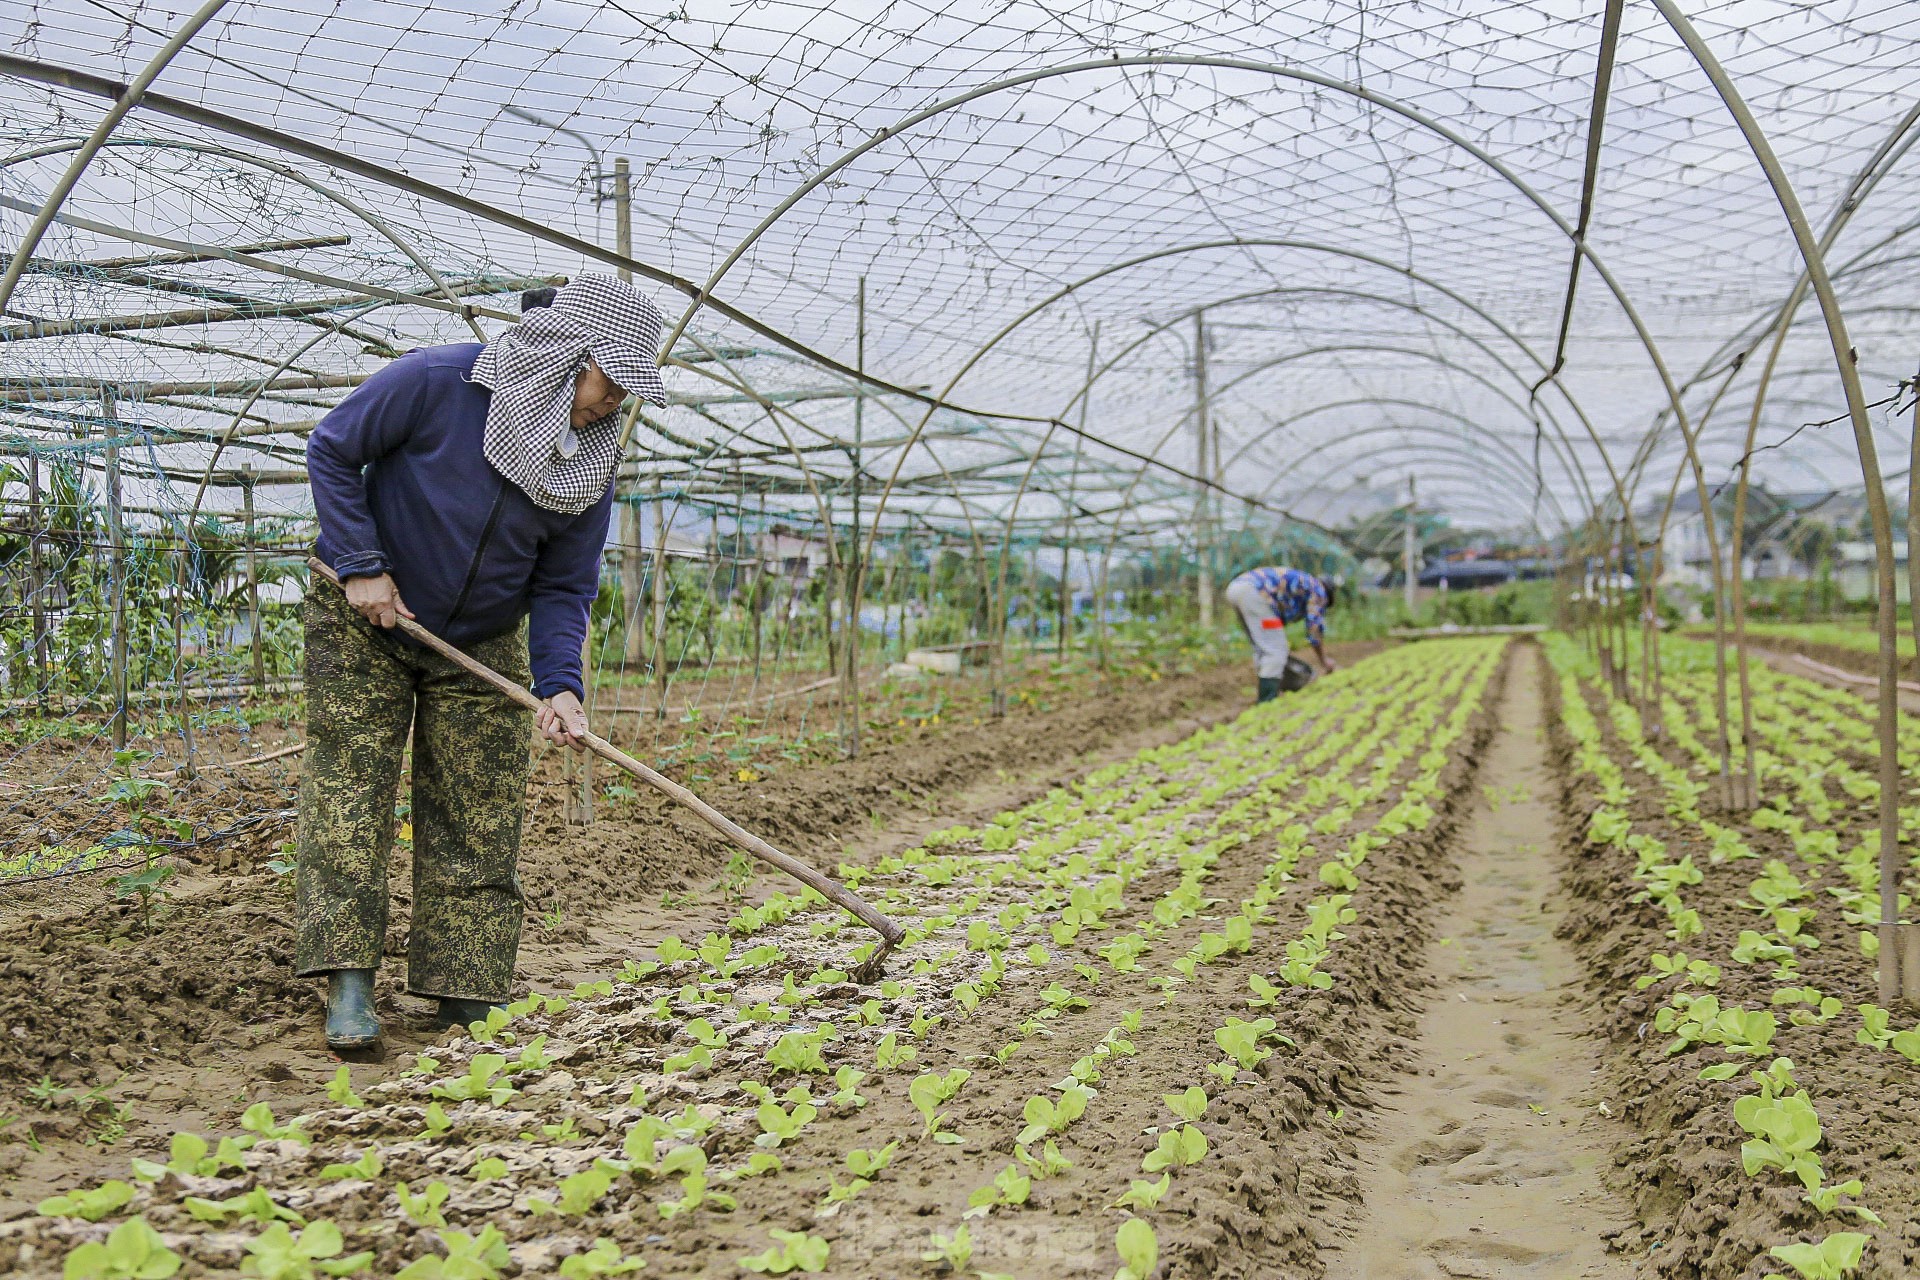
1484 1160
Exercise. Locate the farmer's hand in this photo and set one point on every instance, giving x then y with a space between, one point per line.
377 600
563 720
1329 666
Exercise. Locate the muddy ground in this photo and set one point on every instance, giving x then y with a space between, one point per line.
113 1033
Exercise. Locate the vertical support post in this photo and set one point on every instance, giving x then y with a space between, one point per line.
1406 546
754 601
116 577
633 584
254 638
1204 551
37 585
623 213
579 807
856 571
660 598
1065 644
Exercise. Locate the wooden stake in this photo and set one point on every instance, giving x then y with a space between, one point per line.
826 886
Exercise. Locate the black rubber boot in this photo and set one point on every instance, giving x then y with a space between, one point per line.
1269 689
456 1011
351 1023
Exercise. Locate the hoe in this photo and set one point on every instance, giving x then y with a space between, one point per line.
829 888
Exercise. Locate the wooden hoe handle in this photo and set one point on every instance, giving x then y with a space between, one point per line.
890 933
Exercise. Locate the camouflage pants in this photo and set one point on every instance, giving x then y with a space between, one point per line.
365 688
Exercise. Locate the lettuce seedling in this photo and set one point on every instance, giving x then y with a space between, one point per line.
799 1051
340 1090
1240 1041
778 1125
846 1086
278 1254
796 1251
890 1053
91 1206
487 1169
1045 1116
1177 1147
469 1257
866 1162
424 1209
931 1091
954 1251
255 1205
258 1119
579 1192
1827 1200
604 1259
437 1122
1786 1130
1189 1105
1143 1194
1833 1258
367 1166
132 1251
1047 1164
1009 1187
1139 1250
479 1081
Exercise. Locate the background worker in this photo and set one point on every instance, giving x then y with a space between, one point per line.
469 488
1269 598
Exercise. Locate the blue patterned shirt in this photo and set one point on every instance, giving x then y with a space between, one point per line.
1294 594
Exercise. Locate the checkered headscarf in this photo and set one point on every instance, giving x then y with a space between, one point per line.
531 370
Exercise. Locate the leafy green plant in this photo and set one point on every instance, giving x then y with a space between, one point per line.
479 1082
604 1259
930 1092
468 1257
777 1124
799 1051
1189 1105
255 1205
794 1251
109 1197
1045 1116
340 1090
132 1251
953 1252
1145 1195
1009 1187
278 1254
369 1165
423 1209
1139 1250
1834 1258
1183 1146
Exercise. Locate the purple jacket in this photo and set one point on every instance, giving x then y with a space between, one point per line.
401 487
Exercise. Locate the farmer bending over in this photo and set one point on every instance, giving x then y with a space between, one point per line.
467 487
1268 599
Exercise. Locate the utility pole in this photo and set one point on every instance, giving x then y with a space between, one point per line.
1202 468
1406 546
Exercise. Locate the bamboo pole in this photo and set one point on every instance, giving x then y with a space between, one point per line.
659 587
253 581
117 579
891 934
856 567
37 586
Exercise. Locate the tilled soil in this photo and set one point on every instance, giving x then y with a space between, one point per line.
185 1022
1703 1216
1283 1145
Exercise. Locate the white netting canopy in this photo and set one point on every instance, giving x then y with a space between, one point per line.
1370 206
